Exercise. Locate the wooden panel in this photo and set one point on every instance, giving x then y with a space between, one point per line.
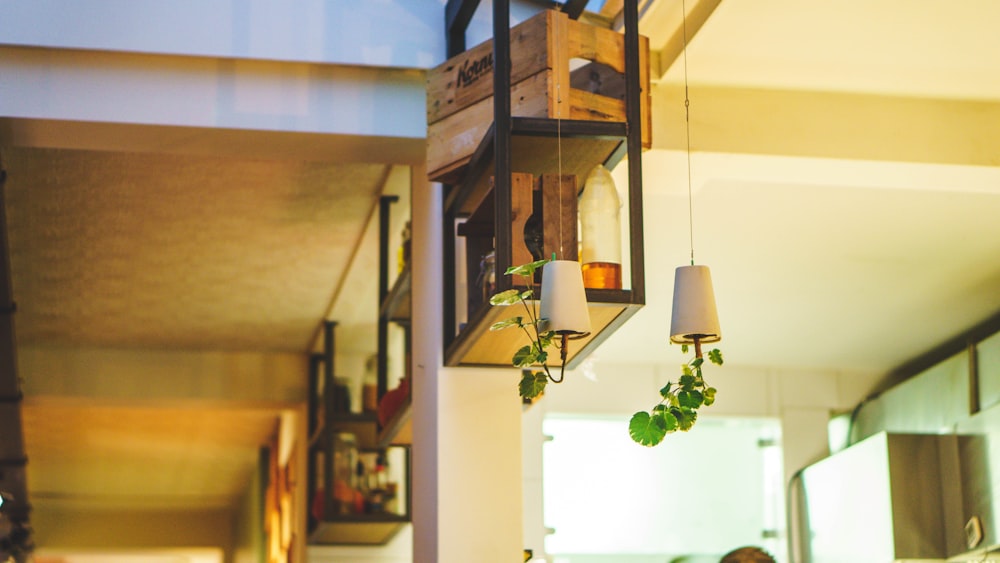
559 215
596 44
521 208
467 78
481 347
451 141
645 94
459 118
595 107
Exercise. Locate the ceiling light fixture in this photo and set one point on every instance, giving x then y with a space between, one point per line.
695 319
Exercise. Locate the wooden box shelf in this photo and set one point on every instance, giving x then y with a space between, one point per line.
543 85
490 156
478 346
359 529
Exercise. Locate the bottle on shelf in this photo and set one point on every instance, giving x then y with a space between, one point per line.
345 455
369 386
404 249
600 231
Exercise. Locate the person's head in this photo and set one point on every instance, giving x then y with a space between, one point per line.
747 555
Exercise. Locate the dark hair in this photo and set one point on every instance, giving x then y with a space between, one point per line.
747 555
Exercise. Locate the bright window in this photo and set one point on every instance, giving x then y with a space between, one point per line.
696 495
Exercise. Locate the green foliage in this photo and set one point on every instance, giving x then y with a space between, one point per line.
526 270
647 429
509 297
534 354
679 403
513 321
532 383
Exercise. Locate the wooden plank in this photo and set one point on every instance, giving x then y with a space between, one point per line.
467 78
521 208
485 348
596 44
452 140
595 107
559 215
559 84
645 94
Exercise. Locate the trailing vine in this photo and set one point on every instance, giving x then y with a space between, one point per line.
533 381
679 402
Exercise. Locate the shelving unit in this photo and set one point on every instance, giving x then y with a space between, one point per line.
331 519
394 308
485 188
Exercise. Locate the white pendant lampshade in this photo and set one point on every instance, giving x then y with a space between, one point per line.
564 301
694 315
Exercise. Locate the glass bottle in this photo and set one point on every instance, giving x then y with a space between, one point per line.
403 259
600 231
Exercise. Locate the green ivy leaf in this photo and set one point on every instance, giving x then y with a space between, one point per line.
509 297
546 337
685 418
715 356
687 381
647 430
500 325
532 384
524 357
690 399
669 421
526 270
684 348
686 369
665 392
709 396
696 363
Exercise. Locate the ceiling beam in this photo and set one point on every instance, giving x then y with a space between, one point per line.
147 377
828 125
661 16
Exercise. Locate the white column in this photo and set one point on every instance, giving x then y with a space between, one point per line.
467 479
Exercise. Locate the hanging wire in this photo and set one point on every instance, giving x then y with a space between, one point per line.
555 34
687 126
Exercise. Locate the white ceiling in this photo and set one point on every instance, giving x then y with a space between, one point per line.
819 261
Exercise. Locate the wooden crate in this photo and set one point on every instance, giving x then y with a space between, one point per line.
543 48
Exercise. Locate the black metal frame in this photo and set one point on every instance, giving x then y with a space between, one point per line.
384 205
498 140
13 460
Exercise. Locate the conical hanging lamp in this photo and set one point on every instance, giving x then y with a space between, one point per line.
694 319
564 300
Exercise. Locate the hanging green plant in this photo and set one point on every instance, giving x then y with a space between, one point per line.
533 381
679 403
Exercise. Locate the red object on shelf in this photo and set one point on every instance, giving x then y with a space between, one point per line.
392 401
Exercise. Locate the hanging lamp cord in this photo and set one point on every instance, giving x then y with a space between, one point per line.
687 127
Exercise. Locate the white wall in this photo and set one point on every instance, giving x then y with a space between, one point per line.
802 401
